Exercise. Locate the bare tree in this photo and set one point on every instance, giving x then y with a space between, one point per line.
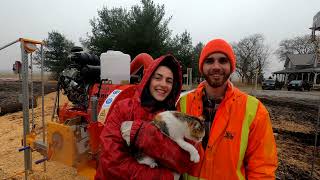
296 45
252 57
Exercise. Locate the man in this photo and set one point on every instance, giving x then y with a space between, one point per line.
239 142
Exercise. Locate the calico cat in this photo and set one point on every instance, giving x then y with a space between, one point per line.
175 125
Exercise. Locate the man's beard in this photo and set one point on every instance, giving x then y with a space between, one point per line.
215 83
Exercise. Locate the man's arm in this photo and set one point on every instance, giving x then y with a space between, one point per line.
261 155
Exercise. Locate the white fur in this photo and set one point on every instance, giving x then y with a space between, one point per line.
147 160
178 130
176 176
125 131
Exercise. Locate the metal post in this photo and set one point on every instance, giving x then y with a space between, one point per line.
25 108
316 53
94 104
55 104
256 82
315 143
190 78
42 106
286 79
31 89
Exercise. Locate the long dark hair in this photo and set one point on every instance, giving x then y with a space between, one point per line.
147 100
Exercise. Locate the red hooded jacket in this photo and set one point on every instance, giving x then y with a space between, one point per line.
116 162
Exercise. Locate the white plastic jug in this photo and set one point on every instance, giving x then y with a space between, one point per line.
115 66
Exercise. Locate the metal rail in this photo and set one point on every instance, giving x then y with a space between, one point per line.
42 106
25 100
7 45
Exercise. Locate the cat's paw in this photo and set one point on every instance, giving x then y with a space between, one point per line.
125 131
147 161
176 176
153 165
194 157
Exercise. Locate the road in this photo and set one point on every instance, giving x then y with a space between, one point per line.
306 96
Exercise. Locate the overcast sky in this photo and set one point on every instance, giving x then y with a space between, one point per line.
204 19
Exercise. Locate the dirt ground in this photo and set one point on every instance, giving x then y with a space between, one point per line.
293 118
294 125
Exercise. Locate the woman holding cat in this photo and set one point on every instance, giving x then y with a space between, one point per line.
158 91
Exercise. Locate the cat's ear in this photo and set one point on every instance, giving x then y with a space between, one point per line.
201 118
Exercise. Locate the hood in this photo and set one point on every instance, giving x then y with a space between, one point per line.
177 76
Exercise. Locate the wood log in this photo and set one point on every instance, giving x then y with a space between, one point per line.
16 106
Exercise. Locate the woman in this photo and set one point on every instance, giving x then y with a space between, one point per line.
158 91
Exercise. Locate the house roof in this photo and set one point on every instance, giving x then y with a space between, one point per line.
297 71
301 59
284 71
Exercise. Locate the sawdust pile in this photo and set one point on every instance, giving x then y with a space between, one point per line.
11 133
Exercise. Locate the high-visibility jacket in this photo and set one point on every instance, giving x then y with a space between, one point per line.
241 144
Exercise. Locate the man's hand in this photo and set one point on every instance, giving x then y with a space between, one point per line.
125 131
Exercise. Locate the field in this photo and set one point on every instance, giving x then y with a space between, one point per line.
294 124
293 114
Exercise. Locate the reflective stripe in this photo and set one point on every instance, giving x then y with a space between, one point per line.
183 108
251 110
183 100
183 104
186 176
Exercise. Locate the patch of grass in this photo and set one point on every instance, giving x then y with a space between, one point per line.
8 75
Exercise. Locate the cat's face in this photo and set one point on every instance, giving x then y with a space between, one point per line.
195 125
197 129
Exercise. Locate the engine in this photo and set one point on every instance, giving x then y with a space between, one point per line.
76 79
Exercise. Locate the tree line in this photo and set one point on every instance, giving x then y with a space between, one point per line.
144 28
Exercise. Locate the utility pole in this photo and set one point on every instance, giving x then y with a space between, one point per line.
315 27
256 82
